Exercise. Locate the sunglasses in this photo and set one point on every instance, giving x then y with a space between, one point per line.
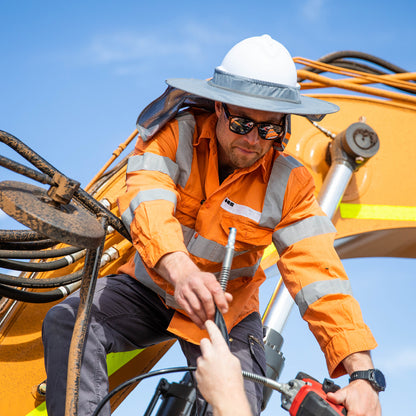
267 131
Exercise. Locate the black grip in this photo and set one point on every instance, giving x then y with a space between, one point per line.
315 405
219 321
328 386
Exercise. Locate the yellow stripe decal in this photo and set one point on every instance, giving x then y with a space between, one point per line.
269 250
39 411
115 360
377 212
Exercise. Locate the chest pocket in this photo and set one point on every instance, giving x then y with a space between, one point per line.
249 234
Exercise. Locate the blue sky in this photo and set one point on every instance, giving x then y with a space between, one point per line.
75 75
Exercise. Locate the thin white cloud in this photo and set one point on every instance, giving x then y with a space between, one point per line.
403 359
128 47
313 10
191 42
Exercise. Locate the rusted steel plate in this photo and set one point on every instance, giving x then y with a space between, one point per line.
66 223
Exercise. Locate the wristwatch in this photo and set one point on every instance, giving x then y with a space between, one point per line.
374 376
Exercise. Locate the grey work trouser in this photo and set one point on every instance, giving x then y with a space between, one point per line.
125 316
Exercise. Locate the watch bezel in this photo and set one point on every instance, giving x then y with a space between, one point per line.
378 380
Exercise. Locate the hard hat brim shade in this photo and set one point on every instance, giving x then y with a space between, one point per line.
279 101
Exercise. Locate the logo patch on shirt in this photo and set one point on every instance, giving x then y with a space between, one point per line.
242 210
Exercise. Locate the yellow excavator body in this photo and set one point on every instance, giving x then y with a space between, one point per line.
379 205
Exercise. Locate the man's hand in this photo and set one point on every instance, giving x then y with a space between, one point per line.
219 376
196 292
358 397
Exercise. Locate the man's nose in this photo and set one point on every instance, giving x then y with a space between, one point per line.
252 136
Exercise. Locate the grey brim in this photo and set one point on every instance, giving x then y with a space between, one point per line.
305 107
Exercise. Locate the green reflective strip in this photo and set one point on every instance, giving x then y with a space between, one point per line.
39 411
377 212
115 360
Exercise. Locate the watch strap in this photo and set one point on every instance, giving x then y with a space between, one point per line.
360 375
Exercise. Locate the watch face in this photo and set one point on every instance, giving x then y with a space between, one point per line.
379 379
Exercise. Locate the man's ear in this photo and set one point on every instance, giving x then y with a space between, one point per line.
218 108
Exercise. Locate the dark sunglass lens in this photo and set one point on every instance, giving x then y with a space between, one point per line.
270 131
241 125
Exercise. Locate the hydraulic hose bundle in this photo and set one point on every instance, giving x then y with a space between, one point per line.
360 61
34 245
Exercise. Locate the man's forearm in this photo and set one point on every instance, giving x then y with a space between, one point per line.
358 361
174 265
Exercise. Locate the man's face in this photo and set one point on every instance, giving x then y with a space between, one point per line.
241 151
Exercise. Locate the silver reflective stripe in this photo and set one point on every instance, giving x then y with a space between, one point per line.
254 87
143 196
309 227
208 249
248 271
276 189
187 234
143 277
151 161
185 151
316 290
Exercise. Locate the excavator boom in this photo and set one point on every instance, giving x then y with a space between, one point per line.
375 216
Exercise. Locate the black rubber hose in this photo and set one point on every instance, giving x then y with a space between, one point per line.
365 57
34 267
357 66
249 376
25 171
28 245
89 202
38 254
27 153
136 379
41 283
32 297
20 235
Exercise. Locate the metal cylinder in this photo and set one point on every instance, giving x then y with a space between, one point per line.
279 308
334 187
350 150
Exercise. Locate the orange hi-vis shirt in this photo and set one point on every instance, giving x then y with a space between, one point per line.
174 202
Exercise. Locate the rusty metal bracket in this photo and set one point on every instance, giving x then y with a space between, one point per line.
63 188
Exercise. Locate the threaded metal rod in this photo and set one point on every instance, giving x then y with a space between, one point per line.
228 259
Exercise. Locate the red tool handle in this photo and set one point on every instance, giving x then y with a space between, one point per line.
311 401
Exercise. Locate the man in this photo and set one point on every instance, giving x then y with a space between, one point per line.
194 175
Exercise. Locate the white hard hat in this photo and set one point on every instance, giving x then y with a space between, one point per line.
257 73
261 58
